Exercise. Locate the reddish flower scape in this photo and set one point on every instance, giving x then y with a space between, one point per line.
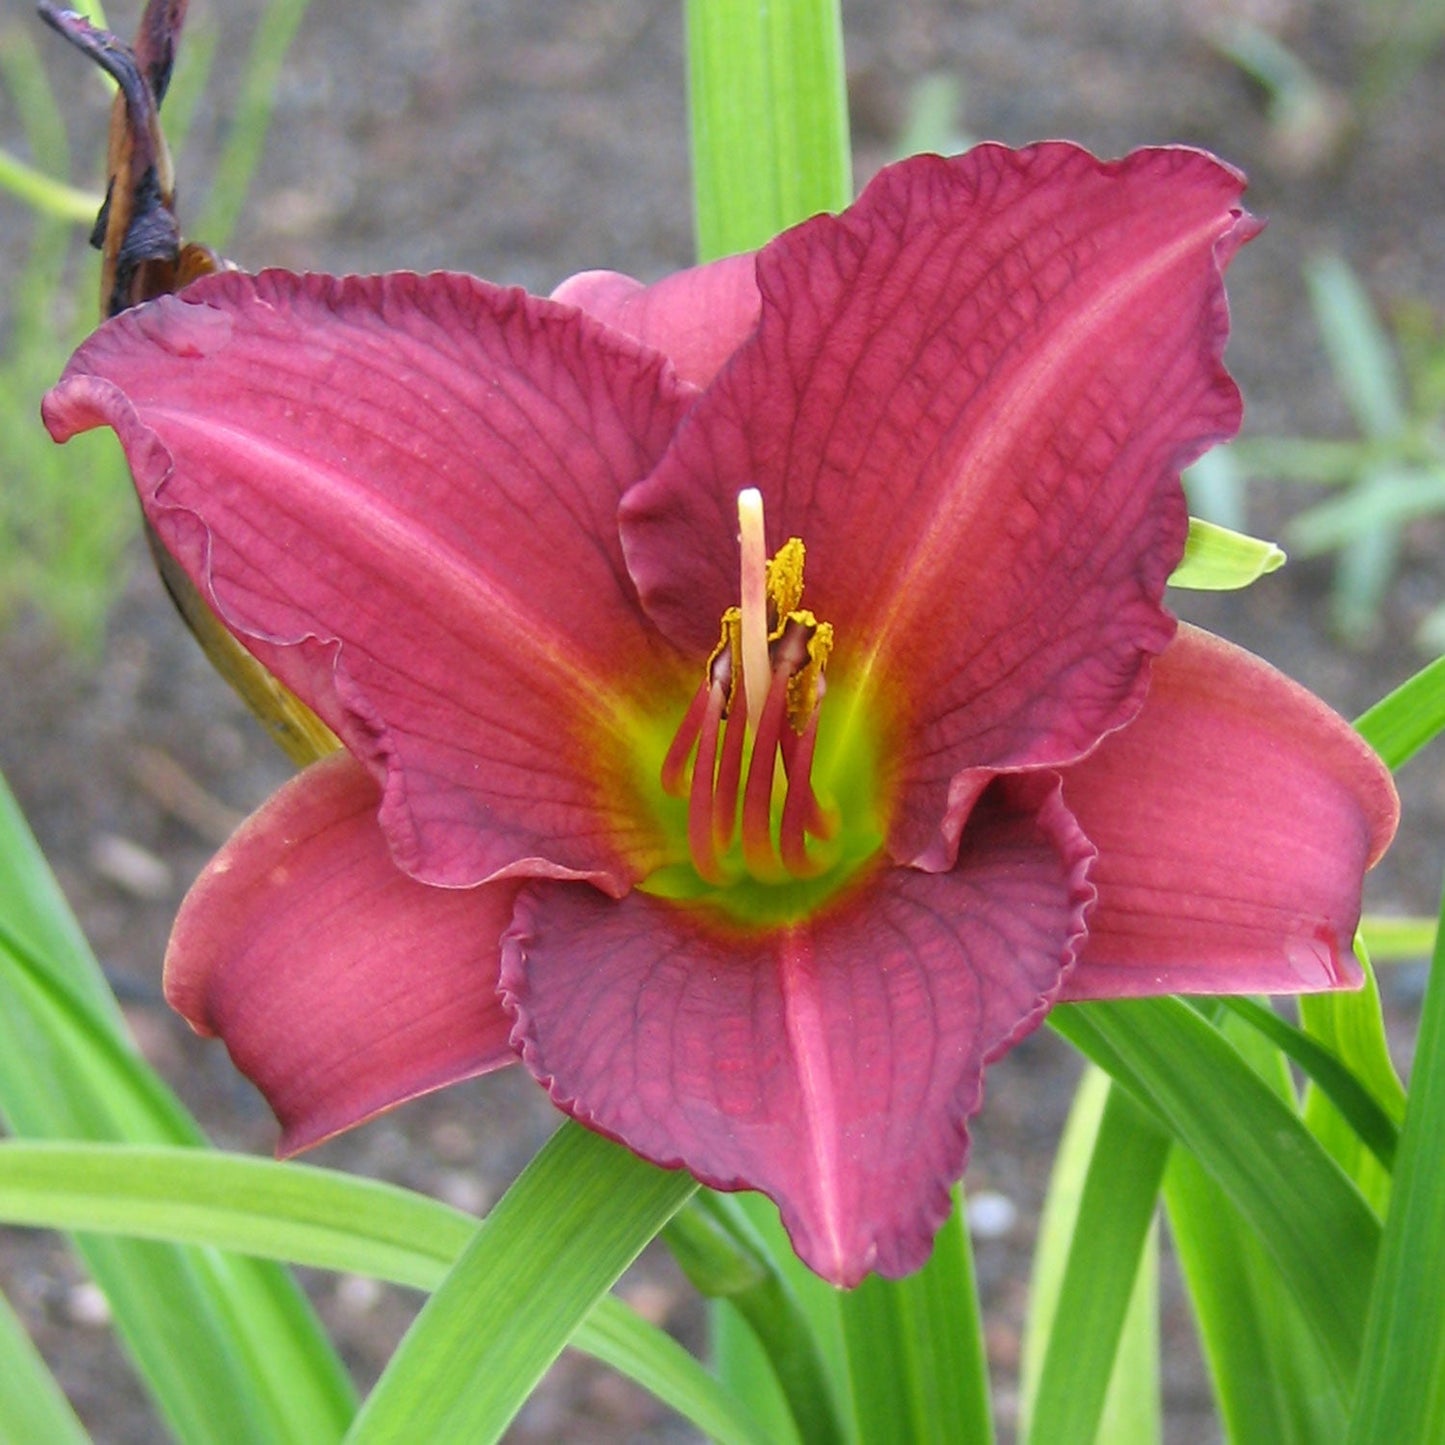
754 829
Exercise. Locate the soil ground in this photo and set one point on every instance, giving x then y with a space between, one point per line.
525 140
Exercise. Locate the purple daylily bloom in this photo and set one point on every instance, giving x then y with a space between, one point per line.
754 851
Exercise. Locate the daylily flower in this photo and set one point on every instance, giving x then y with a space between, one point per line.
758 700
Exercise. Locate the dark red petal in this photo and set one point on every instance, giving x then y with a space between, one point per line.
832 1064
401 493
971 396
696 318
1234 818
340 986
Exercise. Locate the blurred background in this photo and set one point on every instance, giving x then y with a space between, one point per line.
527 139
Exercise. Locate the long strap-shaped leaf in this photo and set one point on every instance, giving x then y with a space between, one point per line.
915 1349
1109 1231
769 113
1255 1147
324 1220
725 1258
32 1407
1401 1393
555 1243
228 1347
1271 1381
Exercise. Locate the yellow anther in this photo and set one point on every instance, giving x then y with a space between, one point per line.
785 582
805 687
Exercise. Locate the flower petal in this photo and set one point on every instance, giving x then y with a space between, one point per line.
697 318
970 395
1234 818
831 1064
340 986
401 493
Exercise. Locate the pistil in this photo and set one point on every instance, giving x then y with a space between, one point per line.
753 596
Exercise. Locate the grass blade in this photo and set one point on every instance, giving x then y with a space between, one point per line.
769 119
556 1242
1105 1242
1408 718
325 1220
1401 1393
1370 1123
915 1349
1254 1145
228 1348
725 1258
32 1406
246 137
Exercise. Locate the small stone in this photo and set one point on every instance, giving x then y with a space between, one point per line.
86 1304
463 1191
132 868
991 1215
356 1294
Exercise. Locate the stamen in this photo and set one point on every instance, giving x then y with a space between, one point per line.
674 765
754 598
802 813
758 853
729 772
797 751
700 798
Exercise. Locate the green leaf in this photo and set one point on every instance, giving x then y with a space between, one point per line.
44 193
228 1348
324 1220
742 1365
1352 1027
1394 495
1305 459
769 119
1364 365
1401 1390
1392 940
618 1337
33 1407
725 1258
1218 560
1097 1222
1272 1383
1370 1122
1360 353
821 1305
1402 722
1254 1145
228 1201
551 1248
915 1349
1134 1406
246 136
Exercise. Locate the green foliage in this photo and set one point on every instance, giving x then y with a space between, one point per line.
769 119
67 520
1393 384
1093 1257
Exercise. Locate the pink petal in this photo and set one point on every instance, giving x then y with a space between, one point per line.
971 396
697 318
401 493
831 1064
1234 818
340 986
